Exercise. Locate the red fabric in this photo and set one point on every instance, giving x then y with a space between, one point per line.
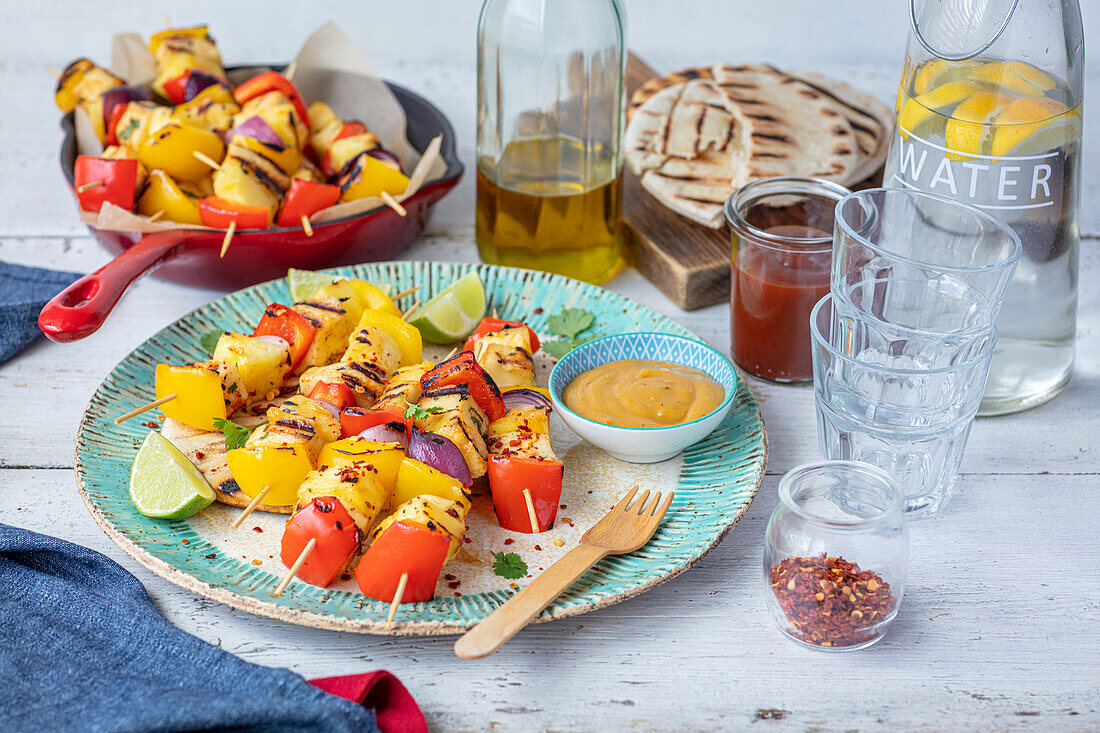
395 708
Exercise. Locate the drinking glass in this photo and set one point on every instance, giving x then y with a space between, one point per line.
830 514
889 242
782 246
906 411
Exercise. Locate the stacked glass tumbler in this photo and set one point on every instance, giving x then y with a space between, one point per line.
902 343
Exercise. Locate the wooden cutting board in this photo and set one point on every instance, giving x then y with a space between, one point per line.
688 262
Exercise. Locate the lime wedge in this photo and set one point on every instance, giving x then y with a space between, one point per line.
304 283
454 313
164 484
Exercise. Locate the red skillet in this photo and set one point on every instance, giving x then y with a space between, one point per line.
190 256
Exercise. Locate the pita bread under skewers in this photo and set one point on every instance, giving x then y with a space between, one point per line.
797 130
689 145
871 121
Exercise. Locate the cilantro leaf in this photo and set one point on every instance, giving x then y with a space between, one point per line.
124 133
209 340
570 322
557 348
235 435
416 412
510 565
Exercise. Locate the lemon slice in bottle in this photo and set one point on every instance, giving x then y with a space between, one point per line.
922 115
1029 126
998 77
968 132
938 72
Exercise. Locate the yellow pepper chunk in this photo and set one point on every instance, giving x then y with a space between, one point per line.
163 194
342 291
283 468
415 479
172 148
385 457
369 176
373 298
204 393
404 334
157 39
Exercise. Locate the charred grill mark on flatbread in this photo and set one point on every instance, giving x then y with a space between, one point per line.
781 139
698 200
762 118
703 180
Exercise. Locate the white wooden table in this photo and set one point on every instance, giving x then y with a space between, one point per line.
1000 627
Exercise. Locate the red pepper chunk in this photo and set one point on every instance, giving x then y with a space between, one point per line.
272 81
113 118
340 395
103 180
290 326
509 476
492 325
305 198
217 212
354 420
326 520
464 369
404 547
175 89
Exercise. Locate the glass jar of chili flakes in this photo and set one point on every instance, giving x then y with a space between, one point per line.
836 554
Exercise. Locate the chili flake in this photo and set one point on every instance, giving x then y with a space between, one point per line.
829 601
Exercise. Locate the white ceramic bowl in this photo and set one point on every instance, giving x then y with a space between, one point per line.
643 445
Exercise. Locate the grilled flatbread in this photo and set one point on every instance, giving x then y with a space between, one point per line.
871 121
796 129
657 83
690 146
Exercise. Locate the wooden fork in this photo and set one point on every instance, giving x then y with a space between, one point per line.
623 529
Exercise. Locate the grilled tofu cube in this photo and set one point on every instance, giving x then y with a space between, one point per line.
366 380
299 409
331 337
213 107
356 485
435 513
262 365
460 420
506 355
404 386
324 125
524 433
372 345
344 149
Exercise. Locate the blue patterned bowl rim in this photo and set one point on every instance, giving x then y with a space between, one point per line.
574 362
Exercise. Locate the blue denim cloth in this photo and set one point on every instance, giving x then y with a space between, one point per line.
23 292
82 648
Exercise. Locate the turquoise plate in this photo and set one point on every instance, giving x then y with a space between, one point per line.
715 480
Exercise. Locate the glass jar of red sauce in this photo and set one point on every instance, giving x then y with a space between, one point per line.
782 250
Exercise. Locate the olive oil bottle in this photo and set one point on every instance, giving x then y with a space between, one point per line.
550 118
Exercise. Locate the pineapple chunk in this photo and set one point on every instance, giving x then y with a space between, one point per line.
342 291
435 513
524 433
247 179
324 126
461 421
456 399
372 345
356 486
331 338
366 380
280 115
299 409
404 386
262 365
300 437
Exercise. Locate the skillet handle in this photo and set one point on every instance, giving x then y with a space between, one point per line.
80 309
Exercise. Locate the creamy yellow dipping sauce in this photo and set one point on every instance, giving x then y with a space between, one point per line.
638 393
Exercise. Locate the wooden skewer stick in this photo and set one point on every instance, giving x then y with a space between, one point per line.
54 72
89 185
228 237
397 599
290 69
207 159
144 408
306 226
531 511
295 567
250 508
494 312
453 352
403 293
167 22
409 312
156 215
393 204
